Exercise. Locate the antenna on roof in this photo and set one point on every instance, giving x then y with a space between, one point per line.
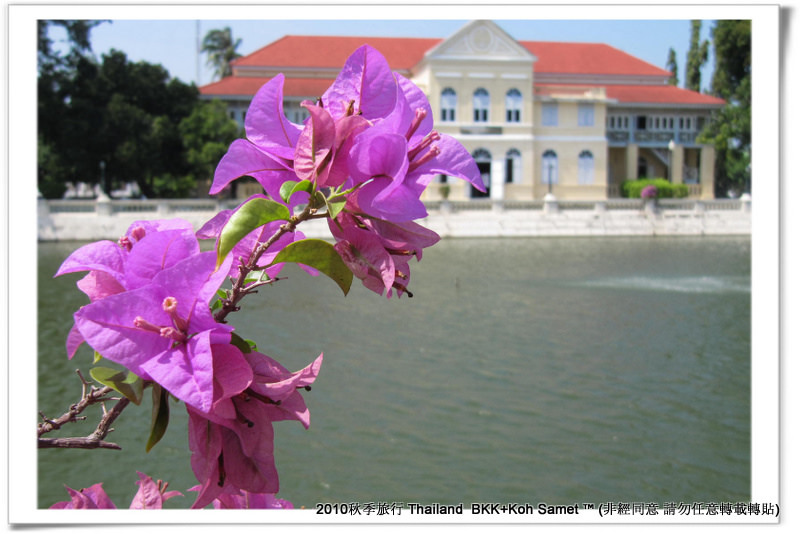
197 52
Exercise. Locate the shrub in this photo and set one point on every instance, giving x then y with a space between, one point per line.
664 188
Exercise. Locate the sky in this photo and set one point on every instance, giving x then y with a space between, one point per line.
174 43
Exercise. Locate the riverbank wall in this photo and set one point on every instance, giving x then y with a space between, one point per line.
88 220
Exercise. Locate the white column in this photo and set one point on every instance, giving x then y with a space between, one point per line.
498 180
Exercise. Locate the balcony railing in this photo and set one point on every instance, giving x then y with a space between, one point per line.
652 137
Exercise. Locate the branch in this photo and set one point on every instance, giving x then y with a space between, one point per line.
76 443
93 440
239 290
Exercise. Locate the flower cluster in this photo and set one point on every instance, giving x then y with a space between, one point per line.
649 191
150 312
157 307
151 496
369 143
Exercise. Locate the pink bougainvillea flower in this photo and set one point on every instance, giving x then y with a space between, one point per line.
151 496
149 246
232 446
164 330
401 154
321 153
266 125
244 158
378 251
372 129
237 455
273 381
146 248
365 86
266 154
92 498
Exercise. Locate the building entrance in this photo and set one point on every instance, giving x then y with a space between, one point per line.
484 160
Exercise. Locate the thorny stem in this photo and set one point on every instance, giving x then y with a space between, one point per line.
239 290
93 440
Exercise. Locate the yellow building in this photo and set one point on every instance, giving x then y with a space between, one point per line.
571 119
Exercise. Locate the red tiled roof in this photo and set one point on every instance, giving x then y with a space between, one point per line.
331 52
403 53
635 94
660 94
249 86
588 58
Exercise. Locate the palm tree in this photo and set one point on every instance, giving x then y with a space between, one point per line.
221 50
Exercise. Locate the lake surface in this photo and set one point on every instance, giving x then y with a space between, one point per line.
523 370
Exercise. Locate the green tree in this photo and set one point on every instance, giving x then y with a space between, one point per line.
123 114
207 133
221 50
672 66
78 36
56 74
729 129
696 57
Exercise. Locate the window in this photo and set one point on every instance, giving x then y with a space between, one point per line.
641 168
513 166
663 123
480 105
585 114
549 168
617 122
513 105
449 102
641 122
585 168
550 114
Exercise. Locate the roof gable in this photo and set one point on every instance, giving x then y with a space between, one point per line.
483 40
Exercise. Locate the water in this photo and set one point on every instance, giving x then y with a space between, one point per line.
525 370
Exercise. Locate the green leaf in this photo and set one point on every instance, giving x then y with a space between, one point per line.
289 188
257 212
255 276
160 416
240 343
97 357
335 208
126 383
221 295
320 255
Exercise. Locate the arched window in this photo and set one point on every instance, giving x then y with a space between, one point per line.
549 168
480 105
449 102
513 105
513 166
585 168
